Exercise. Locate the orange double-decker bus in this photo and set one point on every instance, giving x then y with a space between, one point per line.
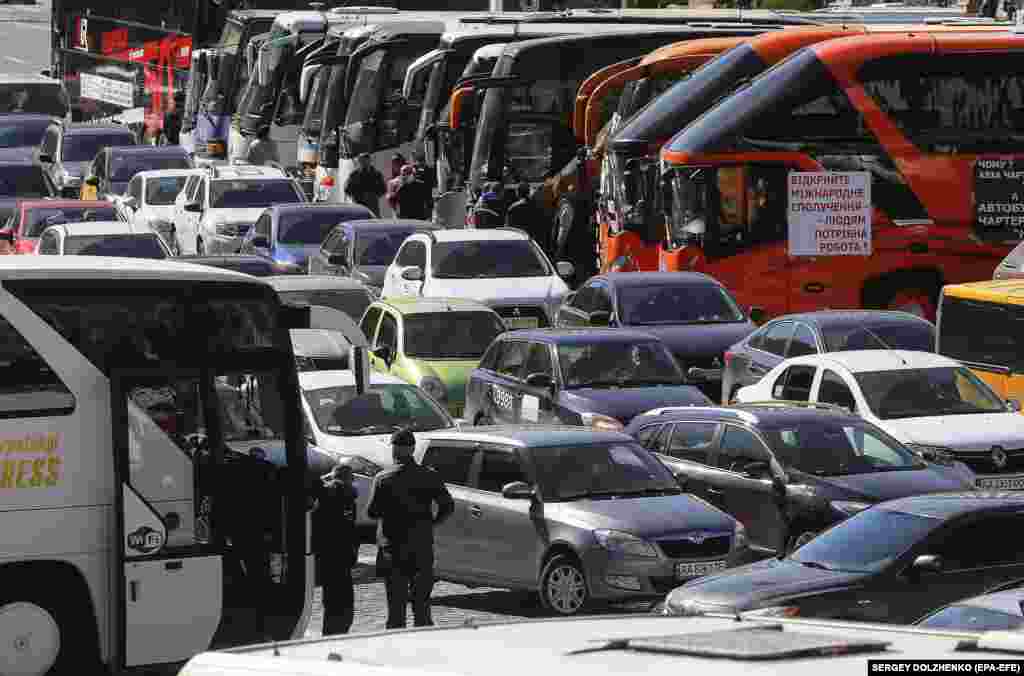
927 129
631 225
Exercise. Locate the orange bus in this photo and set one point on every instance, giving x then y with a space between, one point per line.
864 171
635 228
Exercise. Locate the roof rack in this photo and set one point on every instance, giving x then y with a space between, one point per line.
796 404
745 415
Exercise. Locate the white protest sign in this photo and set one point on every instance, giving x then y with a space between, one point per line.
829 213
117 92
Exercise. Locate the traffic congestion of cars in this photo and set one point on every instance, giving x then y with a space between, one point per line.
769 361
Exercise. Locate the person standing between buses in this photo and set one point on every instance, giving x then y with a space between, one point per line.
336 544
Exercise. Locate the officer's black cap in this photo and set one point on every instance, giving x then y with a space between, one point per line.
403 438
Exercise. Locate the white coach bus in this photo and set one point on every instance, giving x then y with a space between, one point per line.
152 465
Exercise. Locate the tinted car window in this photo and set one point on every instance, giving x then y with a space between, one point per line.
164 190
692 441
38 219
130 246
979 332
368 324
615 363
488 259
776 337
387 334
912 335
225 194
85 147
352 302
567 473
24 134
739 447
833 390
803 342
979 543
794 384
124 168
912 393
451 462
34 97
828 449
29 386
450 335
972 618
413 253
513 356
499 468
648 434
340 411
676 304
23 181
379 248
305 227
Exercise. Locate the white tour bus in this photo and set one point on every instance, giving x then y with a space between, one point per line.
153 467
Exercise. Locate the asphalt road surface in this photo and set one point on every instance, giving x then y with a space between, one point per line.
24 38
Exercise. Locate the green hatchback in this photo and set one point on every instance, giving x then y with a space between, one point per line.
431 342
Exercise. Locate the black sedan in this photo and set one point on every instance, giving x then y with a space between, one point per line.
825 331
695 316
24 179
789 472
598 378
893 563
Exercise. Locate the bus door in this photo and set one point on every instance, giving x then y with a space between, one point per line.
208 513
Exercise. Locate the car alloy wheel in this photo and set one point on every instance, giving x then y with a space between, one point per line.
564 587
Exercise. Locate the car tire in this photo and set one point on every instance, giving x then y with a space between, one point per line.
563 586
45 640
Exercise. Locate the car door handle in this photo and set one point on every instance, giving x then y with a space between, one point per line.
476 512
714 491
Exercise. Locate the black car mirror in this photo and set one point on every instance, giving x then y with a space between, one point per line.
1013 405
600 318
518 490
383 352
757 315
46 158
336 259
757 469
927 563
538 380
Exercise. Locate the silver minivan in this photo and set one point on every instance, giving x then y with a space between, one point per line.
573 513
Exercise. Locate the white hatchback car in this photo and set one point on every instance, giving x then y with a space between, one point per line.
149 199
931 403
500 267
102 238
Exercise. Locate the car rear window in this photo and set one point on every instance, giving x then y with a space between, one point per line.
130 246
916 335
124 168
36 97
39 218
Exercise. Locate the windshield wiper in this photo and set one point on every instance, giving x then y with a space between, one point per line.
814 564
590 494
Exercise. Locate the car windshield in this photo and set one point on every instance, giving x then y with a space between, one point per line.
228 194
488 259
451 335
308 227
382 409
915 393
829 449
913 335
379 248
352 302
682 304
85 147
24 134
130 246
618 364
39 218
971 618
124 168
606 470
163 190
866 542
44 99
23 181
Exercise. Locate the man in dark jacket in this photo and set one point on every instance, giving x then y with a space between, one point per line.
172 121
413 196
404 500
366 185
525 215
336 544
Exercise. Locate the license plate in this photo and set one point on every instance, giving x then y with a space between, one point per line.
521 322
696 569
1002 483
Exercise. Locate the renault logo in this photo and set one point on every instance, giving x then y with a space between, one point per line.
998 457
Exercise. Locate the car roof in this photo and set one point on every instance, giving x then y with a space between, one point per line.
583 336
627 279
1007 601
478 235
753 414
94 228
828 318
90 128
66 204
533 436
413 305
312 380
391 224
320 206
312 283
236 172
859 361
149 150
108 267
951 505
157 173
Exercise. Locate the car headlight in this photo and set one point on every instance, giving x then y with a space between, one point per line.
433 386
678 605
599 421
739 537
625 544
940 455
849 507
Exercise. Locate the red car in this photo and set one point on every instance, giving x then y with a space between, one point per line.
31 217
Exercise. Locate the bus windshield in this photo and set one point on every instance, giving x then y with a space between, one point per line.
311 123
229 47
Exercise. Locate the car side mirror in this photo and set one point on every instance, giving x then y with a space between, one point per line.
682 480
194 207
538 380
384 352
757 315
413 273
259 241
927 563
1013 405
565 269
600 318
129 202
518 490
46 158
336 259
757 469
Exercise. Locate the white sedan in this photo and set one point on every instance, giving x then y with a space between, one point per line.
931 403
149 199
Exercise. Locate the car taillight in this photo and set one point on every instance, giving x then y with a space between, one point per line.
327 181
728 357
25 246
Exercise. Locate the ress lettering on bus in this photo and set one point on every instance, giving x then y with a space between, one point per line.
31 472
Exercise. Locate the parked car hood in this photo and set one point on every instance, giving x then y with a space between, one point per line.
758 585
880 486
499 291
976 431
699 340
648 517
625 403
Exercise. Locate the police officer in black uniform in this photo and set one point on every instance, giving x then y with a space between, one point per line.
404 500
336 544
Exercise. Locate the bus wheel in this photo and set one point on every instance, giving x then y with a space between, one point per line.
30 637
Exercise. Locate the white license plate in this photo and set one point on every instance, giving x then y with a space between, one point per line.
685 570
1002 483
521 322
